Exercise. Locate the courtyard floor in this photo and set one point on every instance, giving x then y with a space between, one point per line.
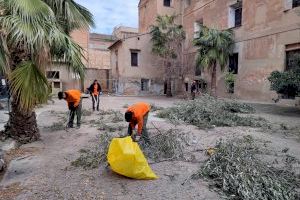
42 170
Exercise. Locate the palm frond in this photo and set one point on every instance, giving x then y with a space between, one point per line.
4 66
214 46
66 51
71 15
165 35
29 91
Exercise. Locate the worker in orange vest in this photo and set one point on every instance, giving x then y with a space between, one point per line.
137 114
74 101
95 91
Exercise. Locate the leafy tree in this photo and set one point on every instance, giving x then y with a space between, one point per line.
287 83
167 37
34 34
214 47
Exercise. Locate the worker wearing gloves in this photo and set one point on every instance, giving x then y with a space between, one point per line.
73 98
137 114
95 91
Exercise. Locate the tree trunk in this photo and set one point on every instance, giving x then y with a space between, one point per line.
169 88
169 78
214 80
21 126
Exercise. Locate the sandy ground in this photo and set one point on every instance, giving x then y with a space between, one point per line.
46 172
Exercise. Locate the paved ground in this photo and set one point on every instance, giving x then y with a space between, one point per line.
45 172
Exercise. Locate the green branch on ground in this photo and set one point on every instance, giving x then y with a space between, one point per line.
237 170
168 144
207 112
93 157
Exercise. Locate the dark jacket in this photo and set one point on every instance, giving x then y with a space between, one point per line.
193 87
91 88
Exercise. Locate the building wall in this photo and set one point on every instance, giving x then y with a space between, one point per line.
147 14
150 9
99 67
99 54
267 27
96 59
127 77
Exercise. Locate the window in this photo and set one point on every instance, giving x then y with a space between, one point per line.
145 84
56 85
167 3
52 74
134 58
235 15
292 59
234 63
197 27
238 17
296 3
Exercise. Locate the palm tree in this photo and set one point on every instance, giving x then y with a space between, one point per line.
214 48
167 37
34 34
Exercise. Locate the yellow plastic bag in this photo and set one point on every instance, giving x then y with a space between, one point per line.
126 158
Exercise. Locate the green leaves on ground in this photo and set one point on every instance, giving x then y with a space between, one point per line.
237 170
207 111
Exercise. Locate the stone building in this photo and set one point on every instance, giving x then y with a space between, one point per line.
134 69
266 34
97 62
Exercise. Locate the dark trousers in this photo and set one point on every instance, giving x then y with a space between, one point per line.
77 112
96 100
145 135
193 95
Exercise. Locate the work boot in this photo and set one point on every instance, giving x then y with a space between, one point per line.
70 126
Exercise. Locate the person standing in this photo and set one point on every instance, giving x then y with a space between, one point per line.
193 90
73 98
95 91
137 114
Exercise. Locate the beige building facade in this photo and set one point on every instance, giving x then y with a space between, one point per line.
96 59
134 68
266 32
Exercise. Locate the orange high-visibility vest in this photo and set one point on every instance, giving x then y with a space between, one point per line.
139 110
73 96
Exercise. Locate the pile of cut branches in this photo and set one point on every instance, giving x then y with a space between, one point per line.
167 145
207 112
93 157
238 171
170 145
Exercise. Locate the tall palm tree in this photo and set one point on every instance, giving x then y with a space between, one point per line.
214 48
34 34
167 37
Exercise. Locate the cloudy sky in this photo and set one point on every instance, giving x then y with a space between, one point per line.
111 13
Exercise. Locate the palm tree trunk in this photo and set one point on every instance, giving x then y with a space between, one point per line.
21 126
214 80
169 79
